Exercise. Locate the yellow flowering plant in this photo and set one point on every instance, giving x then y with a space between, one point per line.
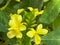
29 22
16 26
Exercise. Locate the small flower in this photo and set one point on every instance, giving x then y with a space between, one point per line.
16 26
41 12
36 12
18 0
30 8
35 33
19 11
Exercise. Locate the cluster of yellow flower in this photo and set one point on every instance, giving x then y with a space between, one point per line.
36 12
16 26
35 33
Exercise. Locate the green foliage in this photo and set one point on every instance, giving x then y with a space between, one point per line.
51 12
3 21
56 23
1 1
53 38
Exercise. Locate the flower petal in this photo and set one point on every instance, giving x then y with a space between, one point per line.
31 33
39 27
43 31
18 35
19 18
19 11
18 0
16 18
22 27
11 34
37 39
36 12
13 29
11 23
41 12
30 8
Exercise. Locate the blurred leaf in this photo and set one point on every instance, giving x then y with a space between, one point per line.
46 0
51 12
3 21
1 1
26 41
7 3
53 38
32 3
56 23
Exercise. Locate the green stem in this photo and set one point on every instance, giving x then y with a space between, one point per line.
19 41
5 5
26 41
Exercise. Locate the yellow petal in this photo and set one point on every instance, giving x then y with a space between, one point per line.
19 18
11 34
22 27
31 33
11 23
13 16
42 31
36 12
37 39
16 17
39 27
18 0
19 11
30 8
13 28
41 12
18 35
10 28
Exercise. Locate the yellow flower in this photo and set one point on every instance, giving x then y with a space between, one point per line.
16 26
19 11
30 8
18 0
36 11
35 33
41 12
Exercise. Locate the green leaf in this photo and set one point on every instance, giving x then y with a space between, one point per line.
7 3
36 3
1 1
53 38
3 21
32 3
26 41
29 18
51 12
56 23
